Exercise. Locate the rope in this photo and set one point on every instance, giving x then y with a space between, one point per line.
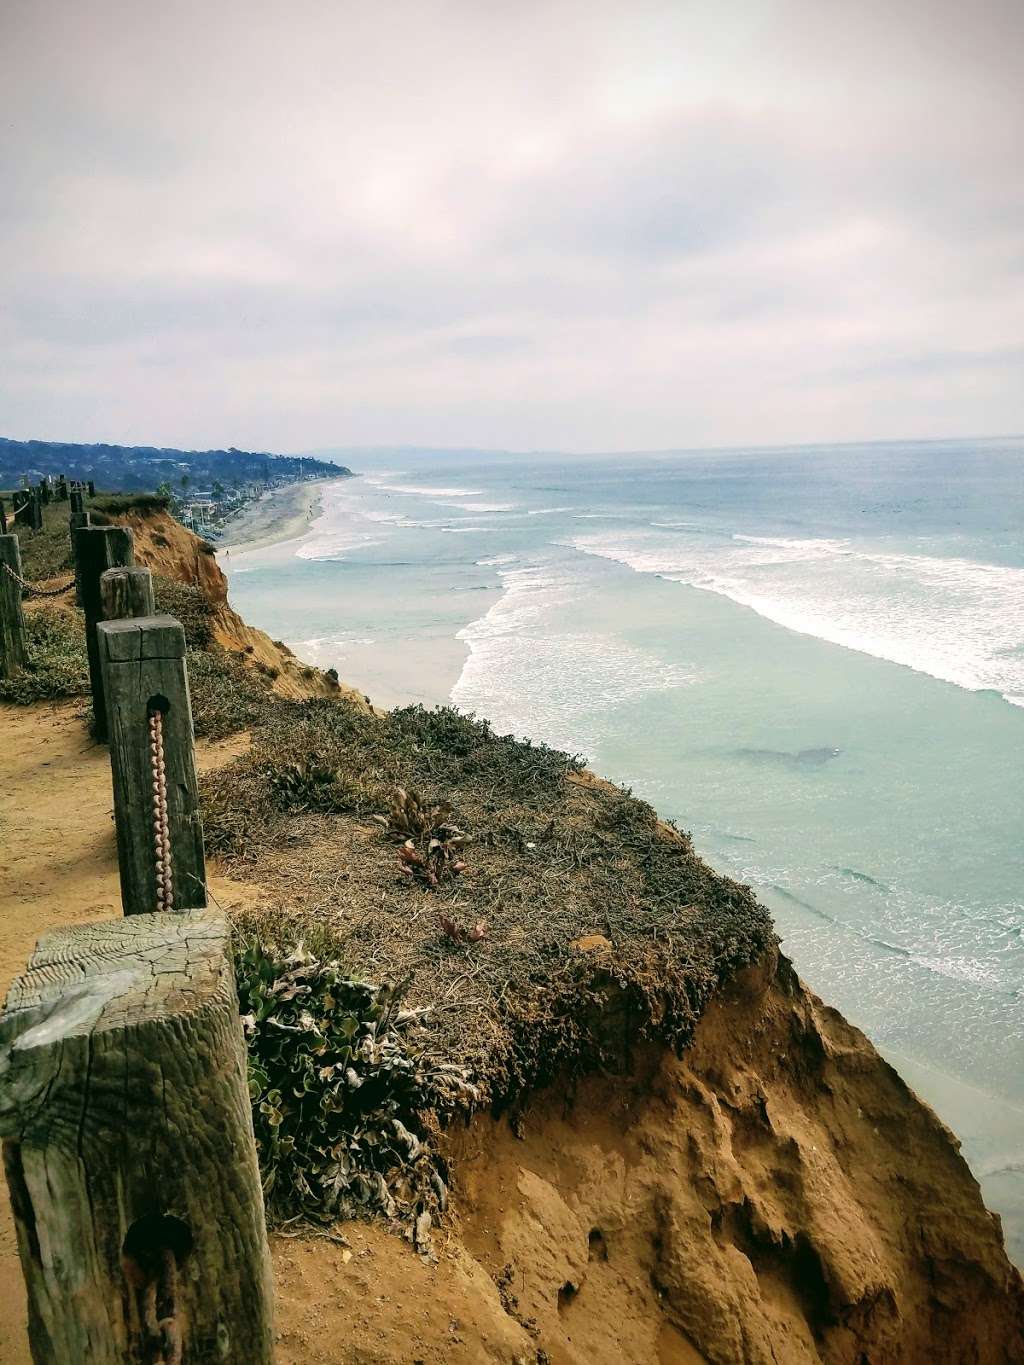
161 829
164 1333
31 587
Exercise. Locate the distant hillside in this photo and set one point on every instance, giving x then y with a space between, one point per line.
138 467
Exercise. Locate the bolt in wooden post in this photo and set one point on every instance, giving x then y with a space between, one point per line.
126 592
98 548
13 649
129 1148
144 674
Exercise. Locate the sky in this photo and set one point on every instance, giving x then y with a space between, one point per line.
527 224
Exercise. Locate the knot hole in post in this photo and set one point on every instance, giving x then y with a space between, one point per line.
149 1239
158 705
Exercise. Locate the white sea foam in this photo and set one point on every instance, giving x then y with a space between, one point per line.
327 650
495 560
481 506
547 511
418 490
335 543
533 679
956 619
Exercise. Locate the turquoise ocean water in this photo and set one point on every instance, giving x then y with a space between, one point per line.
812 659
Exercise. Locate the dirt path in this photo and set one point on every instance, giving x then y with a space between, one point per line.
58 866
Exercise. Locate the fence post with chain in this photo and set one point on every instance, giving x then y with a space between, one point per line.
98 548
13 649
129 1148
126 592
152 759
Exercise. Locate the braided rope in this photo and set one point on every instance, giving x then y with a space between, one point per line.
161 829
31 588
164 1333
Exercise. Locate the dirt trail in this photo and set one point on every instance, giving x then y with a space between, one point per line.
58 866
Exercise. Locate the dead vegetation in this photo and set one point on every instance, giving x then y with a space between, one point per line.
354 824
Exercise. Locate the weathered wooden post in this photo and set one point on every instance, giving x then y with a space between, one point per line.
78 516
13 649
35 509
45 489
152 759
62 488
3 518
126 592
129 1149
98 548
91 488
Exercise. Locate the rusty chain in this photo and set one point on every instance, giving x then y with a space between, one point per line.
161 829
31 588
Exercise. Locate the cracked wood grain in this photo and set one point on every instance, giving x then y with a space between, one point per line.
125 1116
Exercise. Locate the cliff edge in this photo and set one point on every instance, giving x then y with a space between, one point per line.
676 1153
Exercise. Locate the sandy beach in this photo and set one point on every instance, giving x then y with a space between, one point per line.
282 514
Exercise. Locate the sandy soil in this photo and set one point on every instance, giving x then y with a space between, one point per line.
58 866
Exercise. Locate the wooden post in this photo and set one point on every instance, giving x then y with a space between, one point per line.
62 488
156 806
3 519
129 1148
98 548
91 488
78 515
36 509
13 650
126 592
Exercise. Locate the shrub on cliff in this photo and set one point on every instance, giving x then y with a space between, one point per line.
339 1074
189 605
598 926
226 695
57 662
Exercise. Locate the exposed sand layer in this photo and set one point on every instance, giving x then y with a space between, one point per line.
165 546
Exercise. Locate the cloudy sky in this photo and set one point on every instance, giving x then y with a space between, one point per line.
566 224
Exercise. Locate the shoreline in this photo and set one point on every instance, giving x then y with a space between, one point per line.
280 515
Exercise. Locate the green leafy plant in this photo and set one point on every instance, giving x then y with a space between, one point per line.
339 1079
57 662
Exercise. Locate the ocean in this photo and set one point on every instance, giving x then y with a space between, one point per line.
811 658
